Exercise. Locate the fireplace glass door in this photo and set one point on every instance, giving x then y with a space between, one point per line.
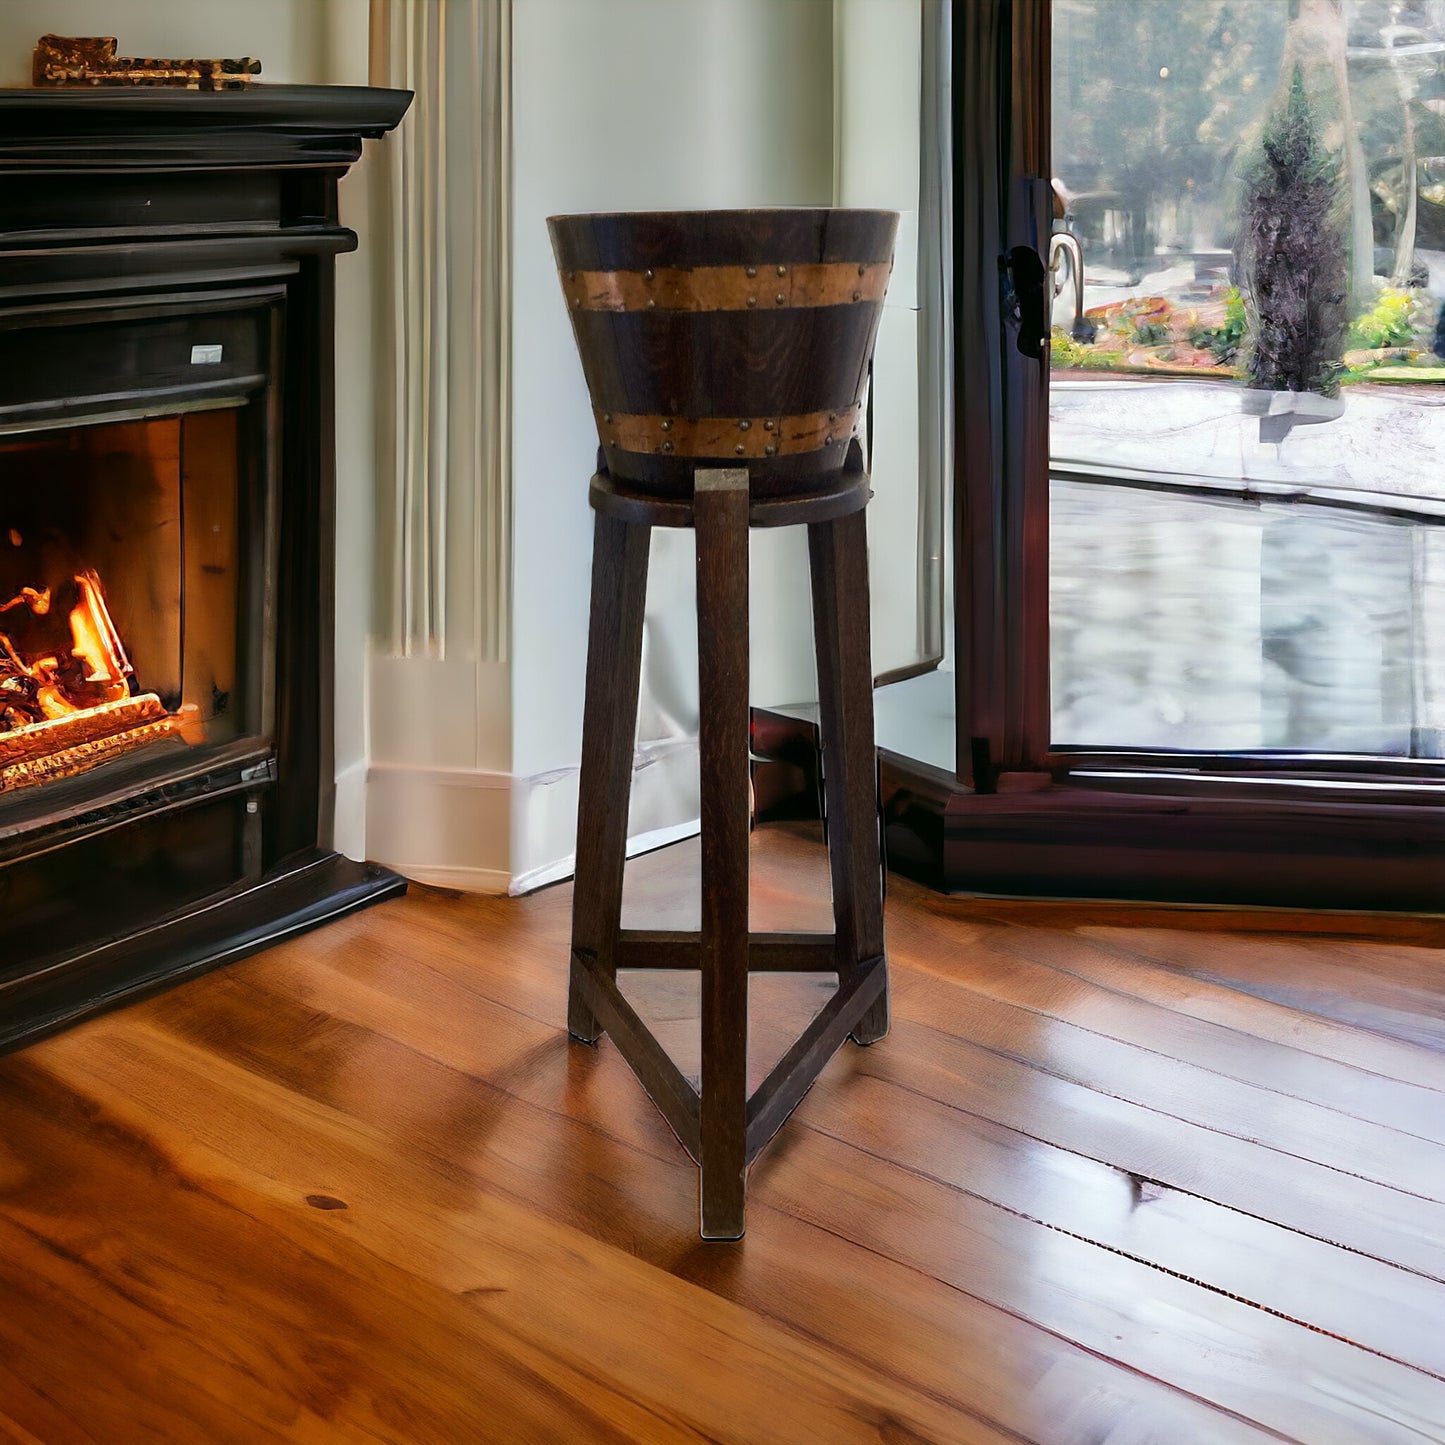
121 596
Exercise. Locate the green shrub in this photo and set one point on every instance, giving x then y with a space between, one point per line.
1390 321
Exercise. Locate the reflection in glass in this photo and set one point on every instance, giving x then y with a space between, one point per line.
1182 621
1246 418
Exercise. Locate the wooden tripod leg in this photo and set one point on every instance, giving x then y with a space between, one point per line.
838 554
720 511
609 727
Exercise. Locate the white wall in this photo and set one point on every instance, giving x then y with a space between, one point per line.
632 105
341 59
878 63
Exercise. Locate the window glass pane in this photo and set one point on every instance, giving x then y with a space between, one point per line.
1247 410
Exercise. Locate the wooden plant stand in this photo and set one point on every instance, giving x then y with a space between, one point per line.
719 1124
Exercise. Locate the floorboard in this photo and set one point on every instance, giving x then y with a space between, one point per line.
1008 974
1124 970
1115 1176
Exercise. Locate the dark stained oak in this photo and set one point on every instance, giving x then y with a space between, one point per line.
838 563
614 663
713 339
359 1187
710 1110
721 507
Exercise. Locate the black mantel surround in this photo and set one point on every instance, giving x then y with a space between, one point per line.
140 230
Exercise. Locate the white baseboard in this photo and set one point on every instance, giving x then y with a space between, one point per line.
466 828
460 880
449 827
663 808
563 867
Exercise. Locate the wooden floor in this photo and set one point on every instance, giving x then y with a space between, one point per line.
1117 1175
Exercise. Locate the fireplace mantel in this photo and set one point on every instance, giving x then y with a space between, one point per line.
97 128
167 255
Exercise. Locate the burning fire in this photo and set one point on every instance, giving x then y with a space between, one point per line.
56 684
65 689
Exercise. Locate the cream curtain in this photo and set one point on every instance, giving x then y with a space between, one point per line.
445 344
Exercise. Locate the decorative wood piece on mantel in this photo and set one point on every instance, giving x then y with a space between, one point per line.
92 60
166 378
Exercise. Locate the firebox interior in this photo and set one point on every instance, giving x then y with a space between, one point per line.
121 592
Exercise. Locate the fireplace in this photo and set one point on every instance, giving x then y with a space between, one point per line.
166 552
121 589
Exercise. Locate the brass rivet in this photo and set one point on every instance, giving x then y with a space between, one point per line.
612 441
651 303
667 446
571 275
576 302
744 424
782 270
857 295
768 425
667 423
832 416
770 450
752 271
739 449
780 298
752 300
607 416
828 440
647 274
862 269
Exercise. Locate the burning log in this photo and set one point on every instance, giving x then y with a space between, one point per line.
72 744
63 712
92 670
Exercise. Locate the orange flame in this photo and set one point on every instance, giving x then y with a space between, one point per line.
97 643
38 601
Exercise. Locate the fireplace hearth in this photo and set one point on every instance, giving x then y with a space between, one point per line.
166 534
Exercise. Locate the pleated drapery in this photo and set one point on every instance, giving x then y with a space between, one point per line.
443 363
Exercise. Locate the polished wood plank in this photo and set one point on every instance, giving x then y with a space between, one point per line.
1012 1090
1251 1259
625 1183
614 1348
1003 969
1278 1119
1327 1204
1381 974
840 1283
1117 965
1396 991
360 1187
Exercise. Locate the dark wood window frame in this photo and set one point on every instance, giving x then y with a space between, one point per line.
1021 815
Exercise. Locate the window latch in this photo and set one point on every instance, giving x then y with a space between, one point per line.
1027 298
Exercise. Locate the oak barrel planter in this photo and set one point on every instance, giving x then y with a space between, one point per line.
725 338
727 354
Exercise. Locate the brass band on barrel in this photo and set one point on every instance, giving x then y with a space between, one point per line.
715 436
727 288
